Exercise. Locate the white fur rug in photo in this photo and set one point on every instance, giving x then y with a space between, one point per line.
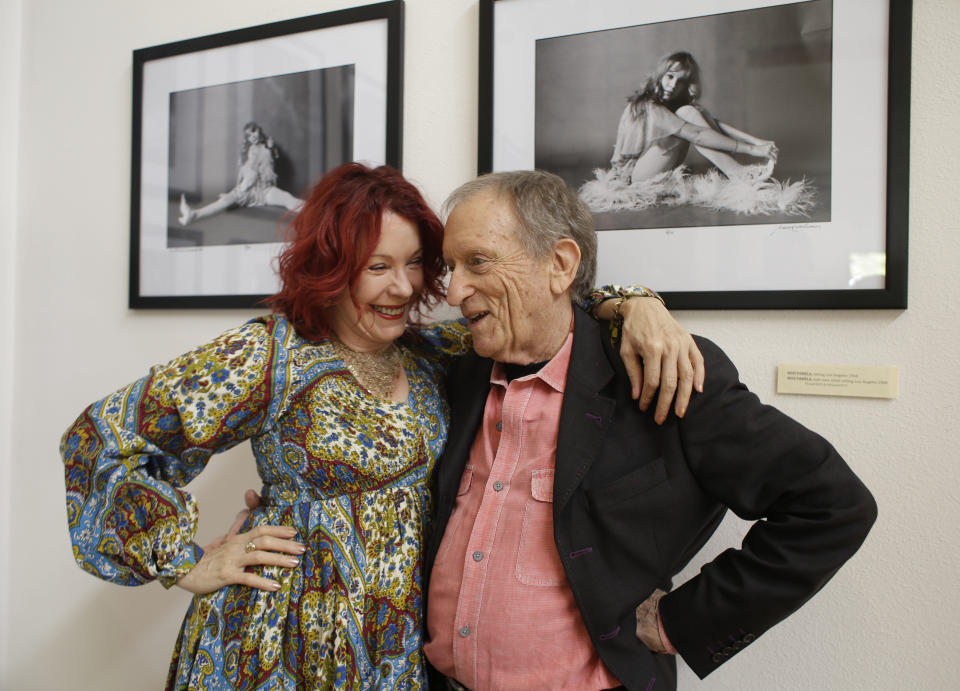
748 195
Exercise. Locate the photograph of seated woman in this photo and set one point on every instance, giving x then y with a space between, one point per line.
339 392
256 180
656 130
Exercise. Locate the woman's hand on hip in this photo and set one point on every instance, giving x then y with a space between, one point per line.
225 561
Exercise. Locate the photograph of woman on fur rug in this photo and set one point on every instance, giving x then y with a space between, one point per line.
657 128
722 119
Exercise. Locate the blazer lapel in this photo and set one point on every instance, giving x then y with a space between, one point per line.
467 390
585 414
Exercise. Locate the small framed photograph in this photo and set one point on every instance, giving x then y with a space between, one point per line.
734 153
231 130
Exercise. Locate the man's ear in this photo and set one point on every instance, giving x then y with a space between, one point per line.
563 265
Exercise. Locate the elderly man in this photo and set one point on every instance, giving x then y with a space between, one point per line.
563 511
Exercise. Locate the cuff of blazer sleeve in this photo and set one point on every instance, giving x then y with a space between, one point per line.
701 647
663 634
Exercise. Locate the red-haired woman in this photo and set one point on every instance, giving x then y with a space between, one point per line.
341 400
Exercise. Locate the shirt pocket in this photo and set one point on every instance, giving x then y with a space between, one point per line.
538 562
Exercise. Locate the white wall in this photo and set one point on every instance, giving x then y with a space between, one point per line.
10 125
887 621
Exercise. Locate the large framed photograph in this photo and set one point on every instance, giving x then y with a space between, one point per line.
734 153
231 130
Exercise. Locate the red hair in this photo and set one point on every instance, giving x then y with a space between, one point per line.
336 232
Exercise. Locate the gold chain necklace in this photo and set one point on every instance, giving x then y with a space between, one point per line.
376 372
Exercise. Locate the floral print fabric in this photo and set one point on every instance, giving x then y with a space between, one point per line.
347 470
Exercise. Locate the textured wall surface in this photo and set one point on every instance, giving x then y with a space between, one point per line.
887 621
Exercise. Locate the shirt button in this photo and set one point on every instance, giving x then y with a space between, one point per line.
465 631
500 426
478 556
497 486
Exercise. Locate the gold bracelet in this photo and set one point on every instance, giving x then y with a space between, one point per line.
616 322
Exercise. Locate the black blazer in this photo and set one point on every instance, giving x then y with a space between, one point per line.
634 501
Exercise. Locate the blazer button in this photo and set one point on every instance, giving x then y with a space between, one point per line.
718 658
728 651
749 638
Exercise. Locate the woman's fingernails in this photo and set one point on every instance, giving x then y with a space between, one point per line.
273 585
291 561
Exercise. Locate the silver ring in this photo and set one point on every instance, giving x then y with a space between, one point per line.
250 547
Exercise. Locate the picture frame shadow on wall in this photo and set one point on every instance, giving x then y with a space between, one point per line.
749 154
231 130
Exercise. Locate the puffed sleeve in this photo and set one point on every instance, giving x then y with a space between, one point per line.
443 340
598 296
127 456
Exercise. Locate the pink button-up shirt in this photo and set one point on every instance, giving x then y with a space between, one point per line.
501 613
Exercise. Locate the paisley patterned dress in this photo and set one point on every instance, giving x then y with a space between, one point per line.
347 470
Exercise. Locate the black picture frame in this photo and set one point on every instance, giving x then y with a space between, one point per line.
507 131
322 89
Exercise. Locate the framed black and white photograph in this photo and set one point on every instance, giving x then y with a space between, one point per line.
231 130
734 153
